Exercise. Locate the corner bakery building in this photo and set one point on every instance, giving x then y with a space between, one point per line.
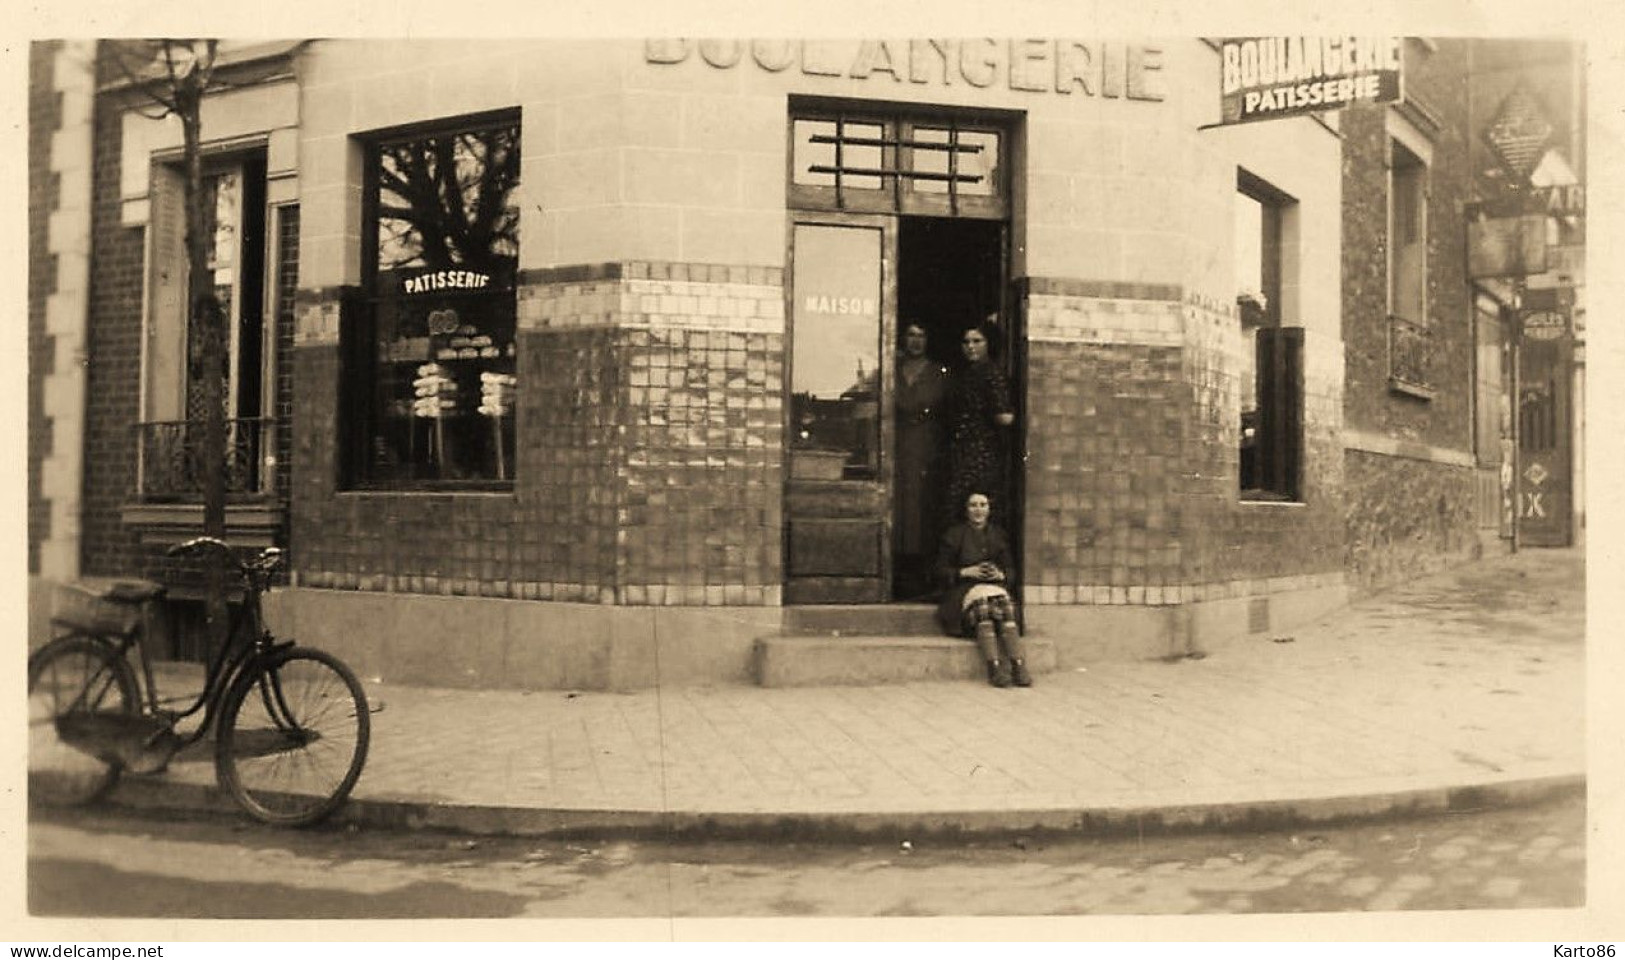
592 361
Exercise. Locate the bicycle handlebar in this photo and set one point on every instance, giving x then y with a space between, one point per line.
195 544
269 558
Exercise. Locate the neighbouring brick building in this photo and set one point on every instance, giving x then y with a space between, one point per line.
571 363
1429 404
1407 406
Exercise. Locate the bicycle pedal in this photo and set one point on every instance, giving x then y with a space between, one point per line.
154 755
132 742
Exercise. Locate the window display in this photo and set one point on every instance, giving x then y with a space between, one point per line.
444 238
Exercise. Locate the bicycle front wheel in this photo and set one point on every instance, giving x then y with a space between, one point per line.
293 737
73 682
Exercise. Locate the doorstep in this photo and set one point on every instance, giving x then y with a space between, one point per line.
805 661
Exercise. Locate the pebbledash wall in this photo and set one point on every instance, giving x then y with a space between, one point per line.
642 540
1409 462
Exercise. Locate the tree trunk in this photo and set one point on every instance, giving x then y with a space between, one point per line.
206 319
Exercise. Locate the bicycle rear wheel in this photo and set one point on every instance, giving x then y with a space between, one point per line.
293 737
73 680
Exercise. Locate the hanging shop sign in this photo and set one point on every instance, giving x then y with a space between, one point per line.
1565 201
1506 246
1568 200
1092 69
1544 324
1267 78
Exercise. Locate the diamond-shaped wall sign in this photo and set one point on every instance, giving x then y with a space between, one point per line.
1536 474
1520 133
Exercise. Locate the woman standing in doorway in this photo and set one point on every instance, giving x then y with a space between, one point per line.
981 412
922 384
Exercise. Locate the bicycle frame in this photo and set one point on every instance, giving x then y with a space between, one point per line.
247 644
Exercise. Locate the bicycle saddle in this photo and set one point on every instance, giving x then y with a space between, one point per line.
133 591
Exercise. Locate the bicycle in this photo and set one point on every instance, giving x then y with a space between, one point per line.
289 755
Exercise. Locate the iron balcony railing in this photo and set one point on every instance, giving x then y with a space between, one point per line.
171 459
1410 353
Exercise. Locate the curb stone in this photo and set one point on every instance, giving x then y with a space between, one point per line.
1104 820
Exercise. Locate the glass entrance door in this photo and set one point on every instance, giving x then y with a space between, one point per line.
840 430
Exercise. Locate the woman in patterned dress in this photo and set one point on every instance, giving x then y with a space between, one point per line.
981 413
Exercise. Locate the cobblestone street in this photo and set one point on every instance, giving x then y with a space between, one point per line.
117 865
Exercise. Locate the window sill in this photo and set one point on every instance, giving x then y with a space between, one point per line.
1414 390
427 492
1264 500
247 525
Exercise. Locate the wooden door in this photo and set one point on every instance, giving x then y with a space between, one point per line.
839 422
1545 444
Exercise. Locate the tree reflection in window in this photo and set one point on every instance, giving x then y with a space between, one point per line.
445 201
440 360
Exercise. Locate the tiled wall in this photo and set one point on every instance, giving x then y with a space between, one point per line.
1132 441
1106 408
1236 539
1105 431
701 515
649 456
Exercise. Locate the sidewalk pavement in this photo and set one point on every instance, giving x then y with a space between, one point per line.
1461 689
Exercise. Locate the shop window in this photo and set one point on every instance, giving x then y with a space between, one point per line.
1270 377
170 436
944 164
430 351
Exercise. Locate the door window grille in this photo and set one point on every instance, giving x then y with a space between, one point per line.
942 165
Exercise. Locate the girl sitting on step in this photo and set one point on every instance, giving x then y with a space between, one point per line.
973 563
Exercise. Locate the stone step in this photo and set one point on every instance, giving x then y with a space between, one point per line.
811 661
874 619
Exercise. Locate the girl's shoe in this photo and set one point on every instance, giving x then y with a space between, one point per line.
1019 675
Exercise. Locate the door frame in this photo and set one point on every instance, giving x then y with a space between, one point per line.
810 205
881 484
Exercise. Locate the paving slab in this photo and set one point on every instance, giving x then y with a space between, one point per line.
1461 689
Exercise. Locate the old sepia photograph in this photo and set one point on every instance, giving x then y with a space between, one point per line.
661 478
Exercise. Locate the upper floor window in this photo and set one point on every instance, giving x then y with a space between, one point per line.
177 370
1407 233
431 358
